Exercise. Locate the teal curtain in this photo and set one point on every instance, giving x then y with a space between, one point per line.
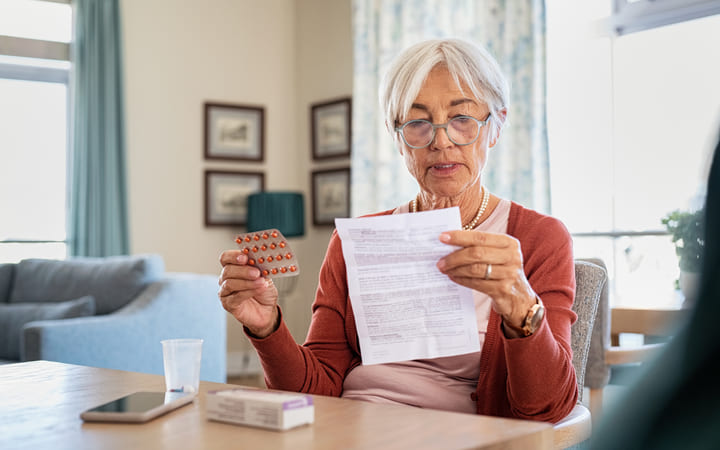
98 204
513 32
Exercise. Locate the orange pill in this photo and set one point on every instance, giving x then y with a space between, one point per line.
246 250
261 260
238 240
282 244
274 234
265 272
263 247
283 269
265 235
247 238
293 268
272 246
269 258
251 262
256 237
278 257
255 249
274 270
289 255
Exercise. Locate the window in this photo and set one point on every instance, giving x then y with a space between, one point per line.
632 122
34 69
631 16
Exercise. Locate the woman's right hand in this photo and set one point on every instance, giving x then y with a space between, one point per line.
250 298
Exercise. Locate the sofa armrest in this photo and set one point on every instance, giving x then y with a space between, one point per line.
180 305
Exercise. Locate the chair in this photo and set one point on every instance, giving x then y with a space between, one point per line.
648 322
590 280
652 323
597 371
605 351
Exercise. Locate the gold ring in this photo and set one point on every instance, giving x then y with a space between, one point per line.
488 271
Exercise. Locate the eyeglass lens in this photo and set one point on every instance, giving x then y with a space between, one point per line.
461 131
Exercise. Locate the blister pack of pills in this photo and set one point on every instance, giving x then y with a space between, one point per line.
269 251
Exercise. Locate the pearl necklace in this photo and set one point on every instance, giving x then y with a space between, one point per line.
474 222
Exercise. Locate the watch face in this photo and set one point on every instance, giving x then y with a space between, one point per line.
537 317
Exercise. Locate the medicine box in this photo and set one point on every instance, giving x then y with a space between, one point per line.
259 408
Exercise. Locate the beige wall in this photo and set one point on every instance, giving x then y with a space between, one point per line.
281 54
324 72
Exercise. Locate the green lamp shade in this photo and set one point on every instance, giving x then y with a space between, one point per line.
284 211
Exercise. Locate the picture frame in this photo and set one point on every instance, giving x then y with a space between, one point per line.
330 195
234 132
331 128
226 194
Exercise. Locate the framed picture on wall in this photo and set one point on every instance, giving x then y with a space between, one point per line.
330 195
331 128
226 196
234 132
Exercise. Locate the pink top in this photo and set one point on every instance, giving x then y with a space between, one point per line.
439 383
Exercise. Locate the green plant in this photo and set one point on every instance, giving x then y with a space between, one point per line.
688 235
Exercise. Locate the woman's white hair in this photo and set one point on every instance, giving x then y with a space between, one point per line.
465 61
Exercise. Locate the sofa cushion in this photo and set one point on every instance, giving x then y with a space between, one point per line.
6 276
14 316
113 281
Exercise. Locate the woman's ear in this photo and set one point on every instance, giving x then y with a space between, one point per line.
500 116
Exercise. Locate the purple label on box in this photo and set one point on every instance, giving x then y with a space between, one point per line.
298 403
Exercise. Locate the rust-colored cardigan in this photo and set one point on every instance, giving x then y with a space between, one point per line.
527 378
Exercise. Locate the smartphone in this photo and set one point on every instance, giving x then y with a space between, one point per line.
138 407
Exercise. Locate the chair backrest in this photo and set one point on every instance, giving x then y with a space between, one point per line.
590 280
597 372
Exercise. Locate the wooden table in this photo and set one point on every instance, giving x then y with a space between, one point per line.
41 401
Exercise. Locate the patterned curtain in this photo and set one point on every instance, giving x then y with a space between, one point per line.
98 205
513 32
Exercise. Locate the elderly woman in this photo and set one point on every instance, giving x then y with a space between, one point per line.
445 103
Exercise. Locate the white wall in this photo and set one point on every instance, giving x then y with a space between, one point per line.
280 54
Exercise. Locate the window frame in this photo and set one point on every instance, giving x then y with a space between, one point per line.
640 15
40 61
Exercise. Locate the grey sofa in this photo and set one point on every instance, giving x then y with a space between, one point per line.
108 312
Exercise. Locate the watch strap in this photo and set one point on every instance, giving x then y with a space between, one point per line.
518 330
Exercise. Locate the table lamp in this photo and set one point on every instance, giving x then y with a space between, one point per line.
284 211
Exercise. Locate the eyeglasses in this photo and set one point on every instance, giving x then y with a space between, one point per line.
461 130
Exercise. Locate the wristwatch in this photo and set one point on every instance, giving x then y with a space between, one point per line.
533 319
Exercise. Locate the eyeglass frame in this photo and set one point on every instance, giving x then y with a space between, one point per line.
480 123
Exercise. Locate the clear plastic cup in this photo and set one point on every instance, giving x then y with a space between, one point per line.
181 360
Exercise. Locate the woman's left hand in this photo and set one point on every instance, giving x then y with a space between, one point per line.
504 281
